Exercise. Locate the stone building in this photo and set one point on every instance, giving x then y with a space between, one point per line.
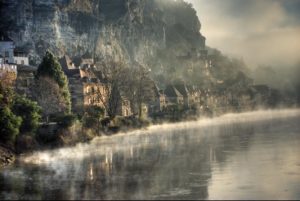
159 102
85 88
6 50
20 58
187 96
173 96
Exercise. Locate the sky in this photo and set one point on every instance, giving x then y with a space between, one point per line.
261 32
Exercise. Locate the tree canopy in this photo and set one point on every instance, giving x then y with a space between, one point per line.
51 68
29 111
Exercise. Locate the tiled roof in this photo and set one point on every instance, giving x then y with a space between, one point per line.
171 91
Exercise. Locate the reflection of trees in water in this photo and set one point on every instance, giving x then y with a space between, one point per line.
232 138
176 164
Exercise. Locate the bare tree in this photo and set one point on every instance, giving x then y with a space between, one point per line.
47 93
140 88
114 76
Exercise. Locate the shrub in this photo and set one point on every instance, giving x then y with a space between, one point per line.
29 111
66 121
9 125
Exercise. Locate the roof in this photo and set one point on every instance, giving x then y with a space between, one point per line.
182 89
66 63
171 91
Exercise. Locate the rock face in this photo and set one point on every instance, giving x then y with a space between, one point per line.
135 30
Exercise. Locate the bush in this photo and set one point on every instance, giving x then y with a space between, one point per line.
9 125
66 121
30 112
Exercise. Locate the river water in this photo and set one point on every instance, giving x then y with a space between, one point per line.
252 155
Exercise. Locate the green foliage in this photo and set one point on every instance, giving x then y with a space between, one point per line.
93 116
51 68
29 111
9 125
6 95
90 122
66 121
95 112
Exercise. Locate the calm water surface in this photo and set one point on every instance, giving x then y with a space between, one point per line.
246 156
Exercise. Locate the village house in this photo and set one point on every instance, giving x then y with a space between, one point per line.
20 58
173 96
85 60
195 94
9 54
159 101
89 90
85 88
187 96
6 50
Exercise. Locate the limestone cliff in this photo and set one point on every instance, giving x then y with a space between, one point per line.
135 30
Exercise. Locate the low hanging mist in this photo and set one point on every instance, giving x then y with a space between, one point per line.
146 137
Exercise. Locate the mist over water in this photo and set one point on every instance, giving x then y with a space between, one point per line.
253 155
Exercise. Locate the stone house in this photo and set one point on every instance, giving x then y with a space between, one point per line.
187 97
173 96
9 54
6 50
20 58
123 106
85 88
195 95
159 101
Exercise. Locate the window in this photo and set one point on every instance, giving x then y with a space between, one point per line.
22 62
6 54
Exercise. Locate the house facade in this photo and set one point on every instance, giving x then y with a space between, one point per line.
20 58
173 96
85 88
6 50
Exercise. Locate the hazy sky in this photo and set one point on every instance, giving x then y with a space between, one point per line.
260 31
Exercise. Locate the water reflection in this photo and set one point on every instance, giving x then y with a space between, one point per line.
232 157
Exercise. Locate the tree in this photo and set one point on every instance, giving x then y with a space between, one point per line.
93 117
51 68
114 75
7 80
9 125
140 88
47 93
29 111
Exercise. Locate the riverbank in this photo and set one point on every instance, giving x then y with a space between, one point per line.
54 138
7 156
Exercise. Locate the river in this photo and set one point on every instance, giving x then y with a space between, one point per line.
253 155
